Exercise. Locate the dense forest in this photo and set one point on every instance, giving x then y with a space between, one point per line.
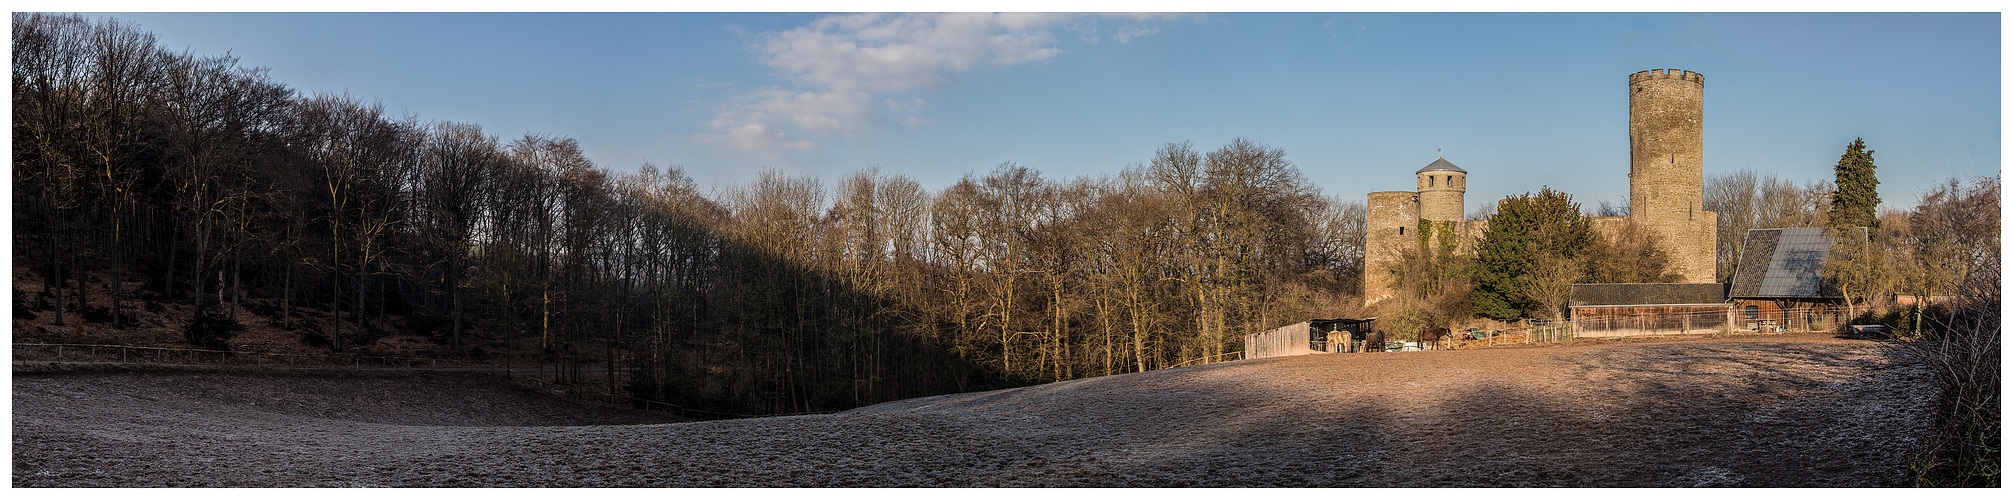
154 176
191 178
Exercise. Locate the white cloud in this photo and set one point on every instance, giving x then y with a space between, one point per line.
757 121
880 52
908 109
838 64
1128 33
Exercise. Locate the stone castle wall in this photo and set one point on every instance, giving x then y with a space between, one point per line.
1692 248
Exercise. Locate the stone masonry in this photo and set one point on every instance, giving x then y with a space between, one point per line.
1442 187
1391 217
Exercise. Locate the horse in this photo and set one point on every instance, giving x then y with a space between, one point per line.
1432 336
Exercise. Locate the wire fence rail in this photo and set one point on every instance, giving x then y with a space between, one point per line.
1218 358
109 353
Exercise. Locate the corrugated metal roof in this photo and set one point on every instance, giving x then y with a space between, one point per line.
1634 294
1439 165
1783 263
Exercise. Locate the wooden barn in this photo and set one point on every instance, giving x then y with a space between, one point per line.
1629 309
1779 286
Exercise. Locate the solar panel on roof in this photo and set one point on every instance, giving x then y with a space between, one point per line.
1794 265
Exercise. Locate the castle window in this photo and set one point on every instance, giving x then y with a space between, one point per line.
1429 181
1401 230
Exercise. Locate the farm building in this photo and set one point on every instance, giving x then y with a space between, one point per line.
1779 283
1778 286
1311 337
1626 309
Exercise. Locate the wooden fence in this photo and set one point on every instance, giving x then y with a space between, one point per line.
1795 319
1290 340
1546 331
1632 322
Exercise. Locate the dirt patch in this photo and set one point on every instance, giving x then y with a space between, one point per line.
1763 411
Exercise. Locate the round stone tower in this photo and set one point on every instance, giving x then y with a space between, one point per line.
1667 166
1441 187
1666 143
1391 226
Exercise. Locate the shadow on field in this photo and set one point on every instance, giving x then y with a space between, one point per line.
1677 415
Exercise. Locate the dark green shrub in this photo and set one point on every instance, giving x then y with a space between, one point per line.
22 310
211 328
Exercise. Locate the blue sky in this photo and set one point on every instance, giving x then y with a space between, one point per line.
1357 100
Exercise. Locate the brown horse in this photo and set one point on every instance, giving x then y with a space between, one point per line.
1431 336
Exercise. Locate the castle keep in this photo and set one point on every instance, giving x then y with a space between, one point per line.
1667 167
1666 189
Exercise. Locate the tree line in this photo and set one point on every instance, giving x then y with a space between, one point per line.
151 176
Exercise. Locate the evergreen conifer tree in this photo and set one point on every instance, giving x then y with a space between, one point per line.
1528 232
1856 199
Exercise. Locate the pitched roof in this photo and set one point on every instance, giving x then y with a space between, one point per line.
1636 294
1439 165
1783 263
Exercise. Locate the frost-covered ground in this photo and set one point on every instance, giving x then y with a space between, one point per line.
1755 411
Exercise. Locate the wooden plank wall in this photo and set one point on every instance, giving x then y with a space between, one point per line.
1289 340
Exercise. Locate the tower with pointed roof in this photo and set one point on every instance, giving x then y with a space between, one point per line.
1441 187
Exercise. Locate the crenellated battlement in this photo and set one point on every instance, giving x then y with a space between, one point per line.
1667 74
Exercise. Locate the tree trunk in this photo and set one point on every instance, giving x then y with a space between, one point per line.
174 254
362 284
1138 333
1055 330
545 319
608 348
56 272
335 290
455 335
287 292
202 257
237 286
1104 317
118 271
79 271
